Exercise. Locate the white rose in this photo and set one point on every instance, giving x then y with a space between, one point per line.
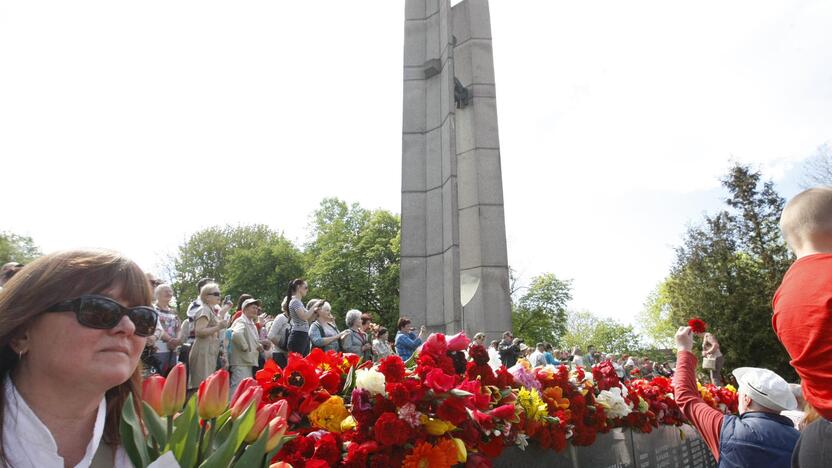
370 380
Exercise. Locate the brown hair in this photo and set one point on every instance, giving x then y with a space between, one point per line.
58 277
403 322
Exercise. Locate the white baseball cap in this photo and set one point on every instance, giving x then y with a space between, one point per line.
766 388
249 302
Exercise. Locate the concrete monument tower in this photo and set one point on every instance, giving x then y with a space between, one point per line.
454 266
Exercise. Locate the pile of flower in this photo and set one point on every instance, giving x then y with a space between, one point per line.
442 409
724 398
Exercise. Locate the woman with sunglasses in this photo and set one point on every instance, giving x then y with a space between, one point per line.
72 327
207 327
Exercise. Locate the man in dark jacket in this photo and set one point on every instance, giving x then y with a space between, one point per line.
759 437
509 349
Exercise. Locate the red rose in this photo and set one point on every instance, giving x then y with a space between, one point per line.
389 430
393 368
439 381
458 342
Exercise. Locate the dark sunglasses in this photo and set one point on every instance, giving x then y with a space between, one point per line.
214 294
103 313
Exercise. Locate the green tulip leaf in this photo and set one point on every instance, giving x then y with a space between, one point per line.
253 455
184 440
155 426
132 438
223 455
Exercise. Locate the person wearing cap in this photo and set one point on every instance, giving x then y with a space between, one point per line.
245 343
759 436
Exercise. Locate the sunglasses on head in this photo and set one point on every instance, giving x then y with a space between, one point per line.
103 313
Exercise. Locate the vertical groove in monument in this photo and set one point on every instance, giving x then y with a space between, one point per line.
429 290
482 243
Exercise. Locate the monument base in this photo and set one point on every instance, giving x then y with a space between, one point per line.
665 447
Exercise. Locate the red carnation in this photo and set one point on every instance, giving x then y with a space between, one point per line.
393 368
479 354
453 410
697 325
390 430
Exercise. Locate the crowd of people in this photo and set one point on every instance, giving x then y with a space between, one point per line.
217 335
97 304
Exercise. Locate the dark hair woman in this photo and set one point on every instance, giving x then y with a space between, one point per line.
299 317
406 340
72 328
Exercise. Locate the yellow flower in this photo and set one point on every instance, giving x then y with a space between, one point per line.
436 427
535 408
329 414
347 424
731 388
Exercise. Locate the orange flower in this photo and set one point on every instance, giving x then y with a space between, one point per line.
554 398
425 455
449 450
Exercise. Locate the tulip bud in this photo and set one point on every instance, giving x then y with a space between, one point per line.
249 396
241 388
280 464
277 427
152 392
282 409
261 420
173 393
212 395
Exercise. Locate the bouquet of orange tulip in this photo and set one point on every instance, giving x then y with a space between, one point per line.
206 431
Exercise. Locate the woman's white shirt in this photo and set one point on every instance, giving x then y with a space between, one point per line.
27 442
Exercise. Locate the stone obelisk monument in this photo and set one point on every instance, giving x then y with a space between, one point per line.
454 266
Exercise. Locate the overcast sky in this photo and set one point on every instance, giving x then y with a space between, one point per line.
131 125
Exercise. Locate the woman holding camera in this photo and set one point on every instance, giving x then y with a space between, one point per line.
323 332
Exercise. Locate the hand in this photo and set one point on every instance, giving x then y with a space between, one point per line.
173 343
422 330
684 339
223 324
343 334
266 344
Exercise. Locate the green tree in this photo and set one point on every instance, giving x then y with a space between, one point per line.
607 335
655 319
353 259
16 248
540 313
223 253
727 270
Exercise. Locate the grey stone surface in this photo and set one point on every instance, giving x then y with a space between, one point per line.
452 214
620 448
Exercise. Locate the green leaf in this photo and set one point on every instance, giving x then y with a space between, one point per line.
411 362
155 426
184 440
132 437
460 393
349 384
223 425
223 455
253 456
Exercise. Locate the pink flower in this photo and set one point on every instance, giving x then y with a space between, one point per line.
458 342
264 416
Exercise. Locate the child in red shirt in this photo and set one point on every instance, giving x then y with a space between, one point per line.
802 304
